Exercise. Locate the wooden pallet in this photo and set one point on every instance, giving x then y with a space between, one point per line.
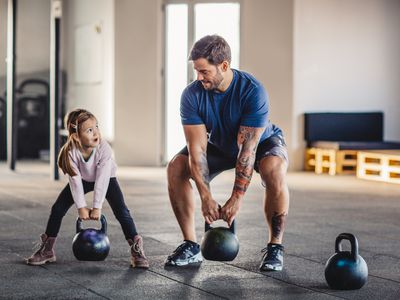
331 161
380 165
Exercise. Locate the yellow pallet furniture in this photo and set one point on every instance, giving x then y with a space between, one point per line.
379 165
331 161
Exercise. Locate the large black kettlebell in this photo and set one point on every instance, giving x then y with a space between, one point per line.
346 270
220 243
91 244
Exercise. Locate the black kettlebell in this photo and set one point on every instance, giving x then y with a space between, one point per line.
220 243
346 270
91 244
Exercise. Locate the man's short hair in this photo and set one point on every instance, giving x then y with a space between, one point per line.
213 48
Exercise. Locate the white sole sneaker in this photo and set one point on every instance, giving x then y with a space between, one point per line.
196 259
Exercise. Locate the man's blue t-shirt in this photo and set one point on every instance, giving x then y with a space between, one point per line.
244 103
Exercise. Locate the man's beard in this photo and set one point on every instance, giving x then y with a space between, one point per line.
215 83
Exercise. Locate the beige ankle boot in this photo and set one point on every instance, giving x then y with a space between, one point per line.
44 253
138 258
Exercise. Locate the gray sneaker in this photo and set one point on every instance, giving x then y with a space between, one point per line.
44 251
187 253
273 258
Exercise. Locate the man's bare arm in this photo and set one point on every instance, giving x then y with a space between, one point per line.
196 139
248 139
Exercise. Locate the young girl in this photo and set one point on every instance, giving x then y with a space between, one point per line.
87 159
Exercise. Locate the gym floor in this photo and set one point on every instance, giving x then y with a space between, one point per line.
321 208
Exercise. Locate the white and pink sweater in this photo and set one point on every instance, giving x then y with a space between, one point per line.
99 168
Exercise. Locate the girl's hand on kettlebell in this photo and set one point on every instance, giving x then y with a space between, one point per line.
95 214
83 213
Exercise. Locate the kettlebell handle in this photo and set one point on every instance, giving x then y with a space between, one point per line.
232 228
353 241
103 222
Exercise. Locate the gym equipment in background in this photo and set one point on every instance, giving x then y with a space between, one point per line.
346 270
3 136
220 243
91 244
33 120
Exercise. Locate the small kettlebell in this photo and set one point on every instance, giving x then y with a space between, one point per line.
220 243
91 244
346 270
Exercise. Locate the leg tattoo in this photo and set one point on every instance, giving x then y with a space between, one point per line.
278 224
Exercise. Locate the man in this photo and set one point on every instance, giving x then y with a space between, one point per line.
225 118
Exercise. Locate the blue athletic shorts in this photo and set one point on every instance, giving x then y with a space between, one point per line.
218 161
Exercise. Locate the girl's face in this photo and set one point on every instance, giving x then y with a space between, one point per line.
89 133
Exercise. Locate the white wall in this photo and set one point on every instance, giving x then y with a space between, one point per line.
97 97
33 37
138 82
267 53
346 58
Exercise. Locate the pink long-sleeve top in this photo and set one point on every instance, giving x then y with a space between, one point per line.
99 168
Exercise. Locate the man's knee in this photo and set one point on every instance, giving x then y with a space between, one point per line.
273 171
178 169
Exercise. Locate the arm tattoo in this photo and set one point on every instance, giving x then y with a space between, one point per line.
246 158
205 173
278 224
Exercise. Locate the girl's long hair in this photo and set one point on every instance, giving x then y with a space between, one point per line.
73 122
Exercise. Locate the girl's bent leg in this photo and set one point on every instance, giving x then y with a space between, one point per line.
44 253
58 211
45 248
115 198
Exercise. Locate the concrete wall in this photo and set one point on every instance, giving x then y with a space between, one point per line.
346 58
138 82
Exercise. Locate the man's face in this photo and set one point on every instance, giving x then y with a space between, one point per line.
211 76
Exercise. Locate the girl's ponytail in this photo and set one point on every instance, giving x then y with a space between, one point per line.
72 123
63 160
